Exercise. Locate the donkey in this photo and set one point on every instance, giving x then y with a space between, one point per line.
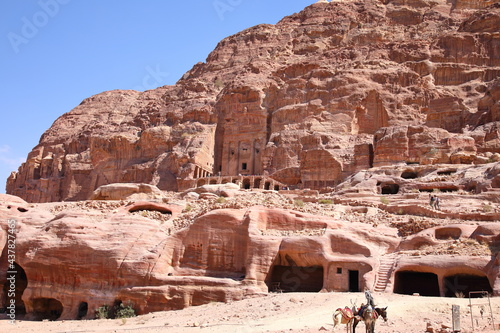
369 315
344 316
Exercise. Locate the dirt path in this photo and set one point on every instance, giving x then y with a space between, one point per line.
273 313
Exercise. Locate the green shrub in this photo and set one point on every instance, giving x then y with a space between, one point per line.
298 203
221 200
102 312
219 83
325 201
188 208
384 200
119 310
125 311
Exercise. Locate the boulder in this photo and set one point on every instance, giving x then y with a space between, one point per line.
127 192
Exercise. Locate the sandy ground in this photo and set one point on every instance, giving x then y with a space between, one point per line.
289 312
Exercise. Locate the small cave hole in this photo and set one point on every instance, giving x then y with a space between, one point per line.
83 309
446 172
409 175
22 210
390 189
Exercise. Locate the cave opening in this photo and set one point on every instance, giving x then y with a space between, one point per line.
83 309
390 189
410 282
446 172
14 285
459 285
298 278
47 309
409 174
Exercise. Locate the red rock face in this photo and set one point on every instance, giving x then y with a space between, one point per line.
100 255
292 100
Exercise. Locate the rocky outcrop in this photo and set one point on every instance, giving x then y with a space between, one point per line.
299 101
127 192
98 257
422 145
72 258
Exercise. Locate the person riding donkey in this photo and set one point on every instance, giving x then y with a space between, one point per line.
369 303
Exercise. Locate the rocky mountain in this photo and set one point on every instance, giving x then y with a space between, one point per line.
339 87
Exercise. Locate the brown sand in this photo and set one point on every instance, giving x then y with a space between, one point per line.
290 312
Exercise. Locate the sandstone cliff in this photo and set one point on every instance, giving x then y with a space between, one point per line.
299 101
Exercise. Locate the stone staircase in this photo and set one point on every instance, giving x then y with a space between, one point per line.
387 264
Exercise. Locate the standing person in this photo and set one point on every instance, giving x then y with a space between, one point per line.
437 203
431 200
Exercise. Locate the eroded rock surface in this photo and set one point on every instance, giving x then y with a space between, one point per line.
299 101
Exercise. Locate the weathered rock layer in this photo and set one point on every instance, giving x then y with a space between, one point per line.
299 101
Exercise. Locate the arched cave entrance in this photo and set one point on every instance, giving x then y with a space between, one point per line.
213 182
47 308
459 285
20 283
257 183
83 309
201 182
410 282
267 186
297 278
246 184
390 189
276 187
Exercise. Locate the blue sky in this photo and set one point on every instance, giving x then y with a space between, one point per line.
55 53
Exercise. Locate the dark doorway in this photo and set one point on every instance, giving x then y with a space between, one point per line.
390 189
256 183
47 308
298 279
246 184
409 175
21 282
354 281
371 154
83 308
461 284
409 283
276 187
267 186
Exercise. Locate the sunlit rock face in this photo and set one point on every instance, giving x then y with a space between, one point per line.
299 101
